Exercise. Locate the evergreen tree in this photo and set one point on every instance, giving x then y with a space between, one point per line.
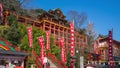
13 34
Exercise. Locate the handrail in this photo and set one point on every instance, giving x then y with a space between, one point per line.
37 61
55 60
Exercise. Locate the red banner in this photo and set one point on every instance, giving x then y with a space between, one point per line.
71 39
41 43
29 30
110 50
1 10
63 58
47 40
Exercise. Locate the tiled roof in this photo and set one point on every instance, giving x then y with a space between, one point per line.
9 52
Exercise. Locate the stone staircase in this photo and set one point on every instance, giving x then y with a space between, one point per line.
51 64
39 64
55 61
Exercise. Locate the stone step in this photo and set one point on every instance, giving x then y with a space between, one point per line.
52 65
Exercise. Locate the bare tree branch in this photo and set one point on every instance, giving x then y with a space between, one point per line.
91 34
79 18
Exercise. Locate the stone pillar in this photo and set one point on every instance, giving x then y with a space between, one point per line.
9 63
81 62
22 64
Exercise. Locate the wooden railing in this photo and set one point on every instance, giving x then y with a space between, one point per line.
49 56
36 58
54 60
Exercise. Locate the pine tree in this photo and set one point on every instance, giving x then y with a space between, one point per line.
13 34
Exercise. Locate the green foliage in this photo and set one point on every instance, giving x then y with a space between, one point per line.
24 38
13 34
24 43
53 48
22 30
11 19
36 32
3 31
68 59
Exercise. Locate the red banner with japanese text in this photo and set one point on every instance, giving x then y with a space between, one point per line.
71 39
29 30
41 43
63 58
110 50
47 40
